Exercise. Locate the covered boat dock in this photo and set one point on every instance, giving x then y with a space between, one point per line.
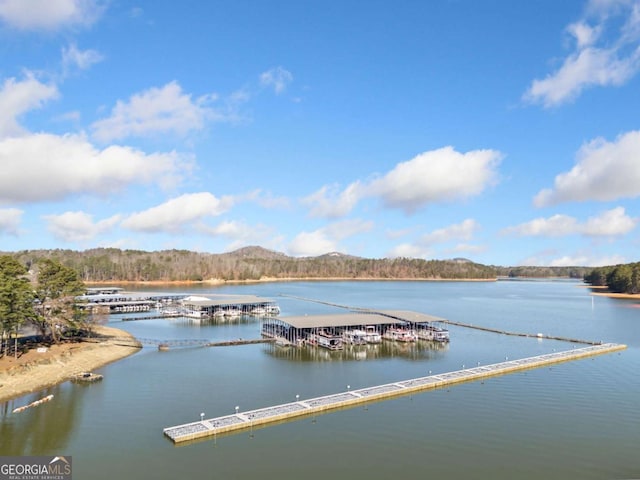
300 330
211 305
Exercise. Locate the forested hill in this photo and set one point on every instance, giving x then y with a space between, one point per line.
623 278
543 272
250 263
254 263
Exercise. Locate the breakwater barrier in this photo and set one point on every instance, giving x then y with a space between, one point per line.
459 324
289 411
185 342
518 334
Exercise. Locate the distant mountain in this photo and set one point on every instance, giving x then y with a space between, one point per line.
256 252
460 260
336 255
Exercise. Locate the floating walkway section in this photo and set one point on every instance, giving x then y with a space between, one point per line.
278 413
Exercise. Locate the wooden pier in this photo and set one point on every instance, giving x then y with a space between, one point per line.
249 419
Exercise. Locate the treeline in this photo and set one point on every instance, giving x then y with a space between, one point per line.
43 297
255 263
623 278
250 263
543 272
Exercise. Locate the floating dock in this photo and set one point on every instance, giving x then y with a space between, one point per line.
249 419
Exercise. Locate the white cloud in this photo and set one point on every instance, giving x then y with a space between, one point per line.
604 171
265 200
172 215
41 167
585 260
311 244
408 250
329 203
614 222
19 97
460 231
72 116
271 202
555 226
10 221
466 248
422 248
436 176
278 78
589 67
165 110
229 229
612 62
49 14
348 228
393 234
326 239
242 234
584 33
73 58
78 226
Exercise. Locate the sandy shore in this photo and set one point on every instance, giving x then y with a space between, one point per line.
628 296
604 292
35 371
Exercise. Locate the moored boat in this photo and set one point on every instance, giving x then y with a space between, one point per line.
372 335
329 341
354 337
433 334
400 335
272 310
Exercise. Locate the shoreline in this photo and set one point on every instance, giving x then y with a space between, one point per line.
220 281
35 371
604 292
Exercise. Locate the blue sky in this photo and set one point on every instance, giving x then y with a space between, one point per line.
504 132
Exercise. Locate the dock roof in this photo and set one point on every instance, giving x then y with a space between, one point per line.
359 318
214 300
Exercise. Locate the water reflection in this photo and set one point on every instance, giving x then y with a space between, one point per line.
420 350
578 420
218 321
44 428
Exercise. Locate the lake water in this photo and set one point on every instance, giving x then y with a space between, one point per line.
576 420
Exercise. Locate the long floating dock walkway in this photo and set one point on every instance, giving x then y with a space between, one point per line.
262 416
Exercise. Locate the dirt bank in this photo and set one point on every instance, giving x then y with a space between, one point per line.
35 370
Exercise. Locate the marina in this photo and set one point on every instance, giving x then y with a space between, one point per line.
357 327
552 421
115 300
289 411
